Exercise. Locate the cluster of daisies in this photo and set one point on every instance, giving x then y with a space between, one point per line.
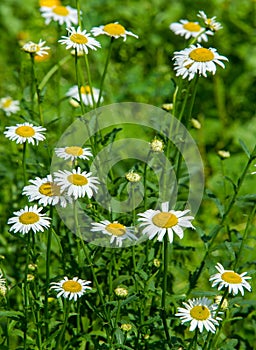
196 59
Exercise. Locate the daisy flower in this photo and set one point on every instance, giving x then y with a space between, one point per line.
45 191
76 183
115 30
60 14
73 152
197 59
70 289
117 231
80 40
29 218
37 49
200 312
210 22
231 280
25 132
159 222
9 106
86 95
157 145
190 30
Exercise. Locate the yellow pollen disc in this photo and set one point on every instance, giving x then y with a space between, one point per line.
192 27
74 151
231 277
61 11
78 38
165 220
49 3
72 286
7 103
29 218
201 55
200 312
25 131
49 189
116 229
85 89
77 179
114 29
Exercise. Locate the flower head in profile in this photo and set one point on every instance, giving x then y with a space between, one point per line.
61 14
115 30
45 191
71 288
190 30
73 152
80 40
165 221
210 23
36 49
25 132
200 312
197 60
9 106
29 218
76 183
231 280
115 230
86 95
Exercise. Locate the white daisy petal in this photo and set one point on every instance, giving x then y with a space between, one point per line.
25 132
9 106
70 288
73 152
86 95
114 30
61 14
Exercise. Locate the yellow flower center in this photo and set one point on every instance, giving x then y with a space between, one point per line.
74 151
25 131
49 189
231 277
78 38
7 103
201 55
29 218
116 229
85 89
42 58
114 29
72 286
165 220
192 27
61 11
200 312
77 179
49 3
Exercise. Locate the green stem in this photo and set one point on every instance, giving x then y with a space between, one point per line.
78 83
32 83
60 341
193 340
26 292
78 7
89 79
24 162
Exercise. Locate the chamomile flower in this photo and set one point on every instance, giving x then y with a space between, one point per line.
190 30
29 218
71 288
86 95
60 14
210 22
117 231
80 40
159 222
231 280
37 49
25 132
45 191
197 60
115 30
77 183
9 106
200 312
73 152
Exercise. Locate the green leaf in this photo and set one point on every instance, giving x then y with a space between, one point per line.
11 314
244 147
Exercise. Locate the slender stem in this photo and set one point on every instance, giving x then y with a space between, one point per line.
78 7
164 289
60 341
26 292
32 83
78 83
89 79
24 162
193 340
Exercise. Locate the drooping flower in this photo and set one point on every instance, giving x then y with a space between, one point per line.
36 49
210 22
197 60
86 95
114 30
73 152
231 280
200 312
71 288
61 14
25 132
9 106
190 30
165 221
